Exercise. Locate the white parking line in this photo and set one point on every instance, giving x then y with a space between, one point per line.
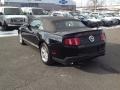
8 33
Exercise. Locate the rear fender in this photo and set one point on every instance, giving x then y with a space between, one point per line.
47 37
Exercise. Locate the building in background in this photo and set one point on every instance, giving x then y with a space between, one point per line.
46 4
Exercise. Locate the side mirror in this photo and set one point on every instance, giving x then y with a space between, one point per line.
28 26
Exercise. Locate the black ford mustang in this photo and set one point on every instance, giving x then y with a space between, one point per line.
65 40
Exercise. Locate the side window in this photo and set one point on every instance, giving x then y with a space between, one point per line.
37 24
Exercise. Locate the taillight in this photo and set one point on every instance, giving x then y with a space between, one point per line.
103 36
72 41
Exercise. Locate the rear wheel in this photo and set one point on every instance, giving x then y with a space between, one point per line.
45 55
4 27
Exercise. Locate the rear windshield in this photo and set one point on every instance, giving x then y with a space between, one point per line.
68 24
38 11
12 11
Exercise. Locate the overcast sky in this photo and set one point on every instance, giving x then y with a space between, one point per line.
108 2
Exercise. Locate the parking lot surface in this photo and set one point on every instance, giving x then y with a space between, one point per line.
22 69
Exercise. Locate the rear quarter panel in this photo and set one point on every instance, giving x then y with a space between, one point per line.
51 38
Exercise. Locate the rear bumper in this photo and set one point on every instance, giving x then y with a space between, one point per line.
69 60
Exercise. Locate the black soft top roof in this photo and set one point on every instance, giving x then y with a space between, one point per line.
53 18
48 22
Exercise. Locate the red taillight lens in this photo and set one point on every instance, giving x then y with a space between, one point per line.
103 37
72 41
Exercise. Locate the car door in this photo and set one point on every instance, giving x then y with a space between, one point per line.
34 36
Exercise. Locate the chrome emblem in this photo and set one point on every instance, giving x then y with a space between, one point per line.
91 38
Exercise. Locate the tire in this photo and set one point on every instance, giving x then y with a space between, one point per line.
4 27
21 41
0 24
45 55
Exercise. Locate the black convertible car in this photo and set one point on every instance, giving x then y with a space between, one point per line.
63 40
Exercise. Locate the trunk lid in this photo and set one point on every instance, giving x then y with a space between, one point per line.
65 32
87 37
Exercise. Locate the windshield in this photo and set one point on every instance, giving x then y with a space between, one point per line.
91 17
12 11
96 17
57 14
74 13
68 24
108 15
38 12
67 15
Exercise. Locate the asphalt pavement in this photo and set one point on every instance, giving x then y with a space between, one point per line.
22 69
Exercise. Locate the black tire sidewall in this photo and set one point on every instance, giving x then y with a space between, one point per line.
4 27
49 61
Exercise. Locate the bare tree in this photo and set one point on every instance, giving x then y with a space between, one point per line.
96 3
101 3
